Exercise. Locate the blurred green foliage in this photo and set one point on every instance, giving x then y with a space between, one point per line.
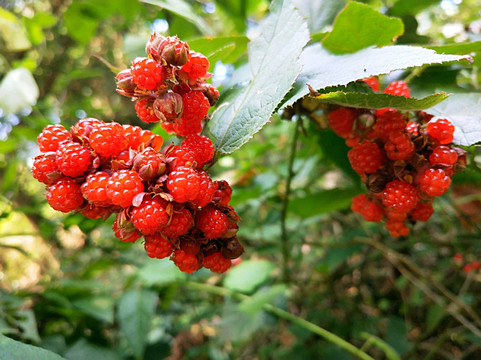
70 287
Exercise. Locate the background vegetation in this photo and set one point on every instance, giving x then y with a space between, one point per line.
70 287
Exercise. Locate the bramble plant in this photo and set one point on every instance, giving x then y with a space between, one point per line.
343 133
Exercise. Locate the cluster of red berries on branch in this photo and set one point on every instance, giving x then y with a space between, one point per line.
404 158
169 86
164 195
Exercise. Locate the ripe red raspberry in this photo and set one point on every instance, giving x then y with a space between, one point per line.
358 202
145 111
223 193
196 66
45 169
149 164
157 246
200 147
400 196
394 215
168 126
139 138
108 139
207 189
441 130
187 263
94 189
341 121
412 128
373 83
422 212
443 155
397 228
183 184
84 127
125 232
122 187
72 158
399 146
51 136
365 157
216 262
178 156
399 88
93 211
372 212
150 216
180 223
196 107
146 73
212 222
434 182
389 122
65 195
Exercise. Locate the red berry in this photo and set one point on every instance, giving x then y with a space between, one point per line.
212 222
399 146
216 262
372 82
358 202
422 212
196 66
45 169
434 182
443 155
157 246
389 122
122 187
399 88
187 263
93 211
365 157
441 130
146 73
372 212
94 189
84 127
178 156
200 147
180 223
108 139
51 136
400 196
196 107
150 216
397 228
341 121
412 128
72 158
183 184
65 195
145 111
125 232
207 189
223 193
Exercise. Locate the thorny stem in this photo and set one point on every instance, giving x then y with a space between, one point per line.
285 203
332 338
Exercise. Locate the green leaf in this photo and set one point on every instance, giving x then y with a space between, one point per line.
322 69
272 55
13 32
183 9
83 350
82 20
248 275
254 304
135 311
11 349
162 273
379 101
434 316
99 307
406 7
227 49
472 48
359 26
319 14
322 202
464 112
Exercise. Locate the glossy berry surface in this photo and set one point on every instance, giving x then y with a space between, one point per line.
122 187
150 216
183 184
216 263
146 73
341 121
72 158
365 157
157 246
65 195
51 136
400 196
212 222
94 189
434 182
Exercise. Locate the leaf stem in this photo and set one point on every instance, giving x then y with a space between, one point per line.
327 335
285 203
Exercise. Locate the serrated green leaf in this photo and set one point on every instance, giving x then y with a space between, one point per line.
322 69
464 111
272 55
248 275
11 349
359 26
379 101
183 9
320 13
135 311
322 202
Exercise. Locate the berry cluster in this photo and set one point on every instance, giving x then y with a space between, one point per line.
404 158
468 267
169 86
164 195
